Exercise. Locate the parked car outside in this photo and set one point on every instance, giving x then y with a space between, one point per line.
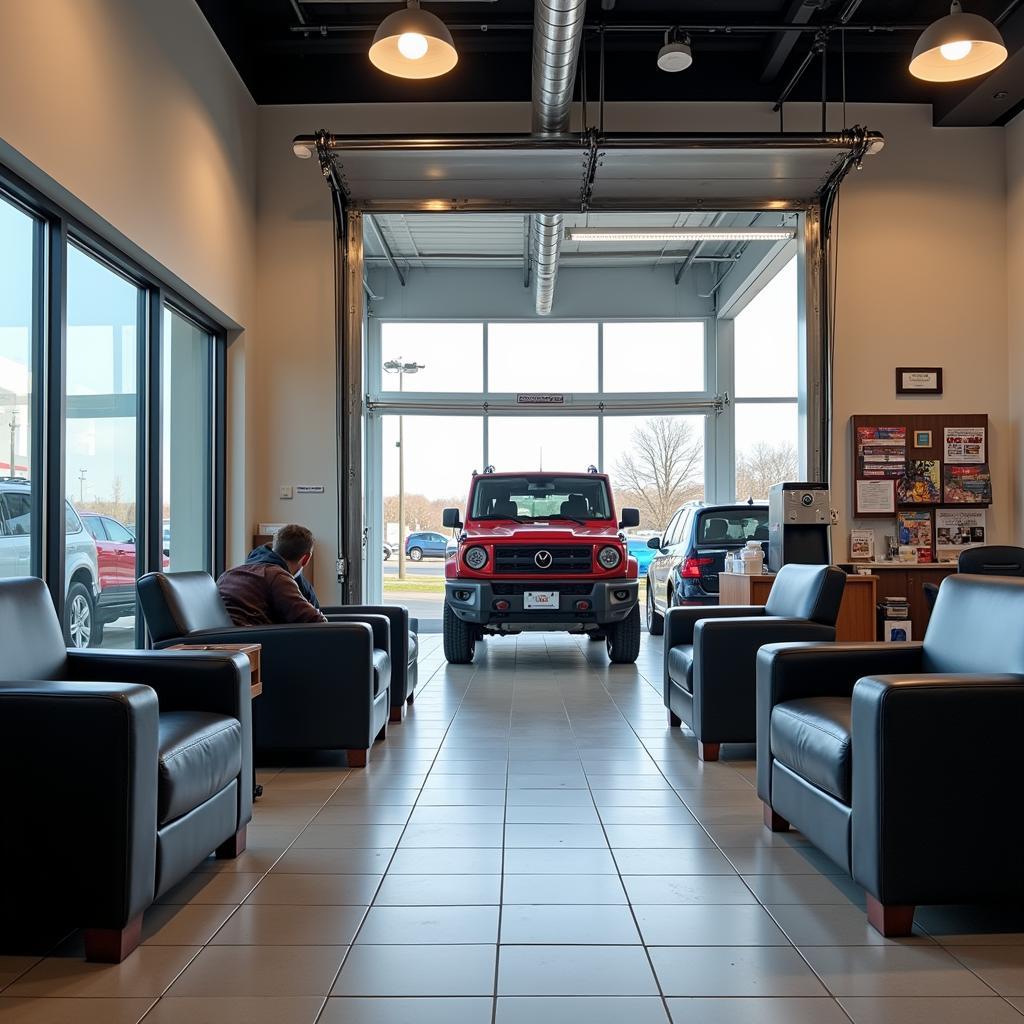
691 553
115 551
644 555
388 551
81 569
426 544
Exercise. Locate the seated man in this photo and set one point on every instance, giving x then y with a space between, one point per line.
265 590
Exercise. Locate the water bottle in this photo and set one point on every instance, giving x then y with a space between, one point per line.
752 557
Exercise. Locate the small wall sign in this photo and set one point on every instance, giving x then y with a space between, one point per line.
309 488
534 398
918 380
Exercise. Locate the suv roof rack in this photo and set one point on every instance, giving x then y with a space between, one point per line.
15 480
591 469
488 469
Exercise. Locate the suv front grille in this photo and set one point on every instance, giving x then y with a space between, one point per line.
577 558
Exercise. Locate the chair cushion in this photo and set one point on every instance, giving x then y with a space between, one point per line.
199 754
179 603
812 738
680 665
811 592
414 648
381 670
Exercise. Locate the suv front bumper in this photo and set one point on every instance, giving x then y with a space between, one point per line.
474 601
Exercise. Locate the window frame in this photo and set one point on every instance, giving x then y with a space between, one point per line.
56 229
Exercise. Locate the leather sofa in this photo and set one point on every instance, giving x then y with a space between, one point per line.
711 651
901 761
123 769
404 651
325 685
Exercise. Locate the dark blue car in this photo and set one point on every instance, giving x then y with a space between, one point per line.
425 545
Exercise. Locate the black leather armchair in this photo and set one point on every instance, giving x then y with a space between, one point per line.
325 685
124 770
404 649
869 750
983 560
710 652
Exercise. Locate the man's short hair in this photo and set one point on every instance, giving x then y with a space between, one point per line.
293 542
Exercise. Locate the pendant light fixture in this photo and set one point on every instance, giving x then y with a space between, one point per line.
957 47
413 43
676 54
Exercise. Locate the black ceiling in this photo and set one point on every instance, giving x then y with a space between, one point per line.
314 51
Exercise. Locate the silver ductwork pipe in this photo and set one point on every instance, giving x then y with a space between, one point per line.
557 33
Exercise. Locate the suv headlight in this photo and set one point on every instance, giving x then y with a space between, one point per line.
475 558
609 557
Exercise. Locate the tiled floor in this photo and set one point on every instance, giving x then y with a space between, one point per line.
532 846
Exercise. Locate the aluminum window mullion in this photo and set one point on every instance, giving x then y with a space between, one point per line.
37 401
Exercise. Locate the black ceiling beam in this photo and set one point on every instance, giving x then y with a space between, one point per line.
780 48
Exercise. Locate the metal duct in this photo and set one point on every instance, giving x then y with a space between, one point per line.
557 32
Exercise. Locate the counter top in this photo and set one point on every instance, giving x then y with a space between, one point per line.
902 565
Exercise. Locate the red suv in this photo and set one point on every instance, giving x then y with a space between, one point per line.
541 551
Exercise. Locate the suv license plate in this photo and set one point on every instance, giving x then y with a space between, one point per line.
540 599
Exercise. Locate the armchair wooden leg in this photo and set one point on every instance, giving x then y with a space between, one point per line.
231 848
112 945
357 758
708 751
383 734
410 698
397 712
890 921
674 720
774 822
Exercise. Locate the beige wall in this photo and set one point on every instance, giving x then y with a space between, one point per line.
922 279
129 113
1015 312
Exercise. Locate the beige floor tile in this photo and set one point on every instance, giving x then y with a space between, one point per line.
315 890
1001 967
924 1010
334 862
12 967
592 1009
203 887
407 1010
261 971
733 971
809 1010
167 924
236 1010
74 1011
290 926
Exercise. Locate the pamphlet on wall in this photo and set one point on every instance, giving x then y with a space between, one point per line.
921 485
967 485
862 545
915 536
964 444
874 496
882 451
956 529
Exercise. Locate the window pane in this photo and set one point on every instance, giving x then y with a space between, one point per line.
767 338
18 539
102 409
654 357
559 357
450 357
187 432
656 463
551 443
766 447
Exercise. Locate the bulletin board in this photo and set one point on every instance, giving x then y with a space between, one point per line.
919 463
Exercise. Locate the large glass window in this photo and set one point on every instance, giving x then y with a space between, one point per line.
103 329
656 463
186 385
766 354
447 356
560 357
660 356
551 443
18 540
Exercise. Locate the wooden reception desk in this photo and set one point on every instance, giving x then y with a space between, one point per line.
856 613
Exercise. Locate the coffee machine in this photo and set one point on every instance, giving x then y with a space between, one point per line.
798 524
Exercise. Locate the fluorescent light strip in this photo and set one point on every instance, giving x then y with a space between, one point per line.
678 234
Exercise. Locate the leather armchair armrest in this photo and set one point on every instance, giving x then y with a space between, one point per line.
680 622
82 758
383 636
725 667
935 754
789 671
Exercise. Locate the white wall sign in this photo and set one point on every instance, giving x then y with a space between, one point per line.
540 399
309 488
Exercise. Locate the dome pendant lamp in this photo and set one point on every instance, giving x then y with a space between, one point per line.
957 47
413 43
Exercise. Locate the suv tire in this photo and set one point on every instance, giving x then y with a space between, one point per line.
459 638
624 638
80 627
416 554
655 620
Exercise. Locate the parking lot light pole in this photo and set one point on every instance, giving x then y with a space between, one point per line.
401 368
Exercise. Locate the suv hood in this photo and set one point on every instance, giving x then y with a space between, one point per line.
558 532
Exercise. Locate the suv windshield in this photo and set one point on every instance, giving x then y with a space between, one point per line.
732 526
540 497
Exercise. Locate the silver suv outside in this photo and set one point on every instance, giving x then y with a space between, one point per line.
81 571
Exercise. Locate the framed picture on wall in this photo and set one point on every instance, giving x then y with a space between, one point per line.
918 380
922 439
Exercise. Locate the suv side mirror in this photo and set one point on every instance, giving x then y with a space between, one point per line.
450 518
655 542
630 517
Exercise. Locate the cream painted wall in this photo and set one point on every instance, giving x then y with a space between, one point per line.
1015 311
922 279
129 113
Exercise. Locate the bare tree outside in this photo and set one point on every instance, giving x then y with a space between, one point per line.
762 465
663 468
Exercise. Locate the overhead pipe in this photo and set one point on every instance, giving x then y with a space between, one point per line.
557 34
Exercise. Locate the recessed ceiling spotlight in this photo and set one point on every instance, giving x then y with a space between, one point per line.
957 47
675 55
413 43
